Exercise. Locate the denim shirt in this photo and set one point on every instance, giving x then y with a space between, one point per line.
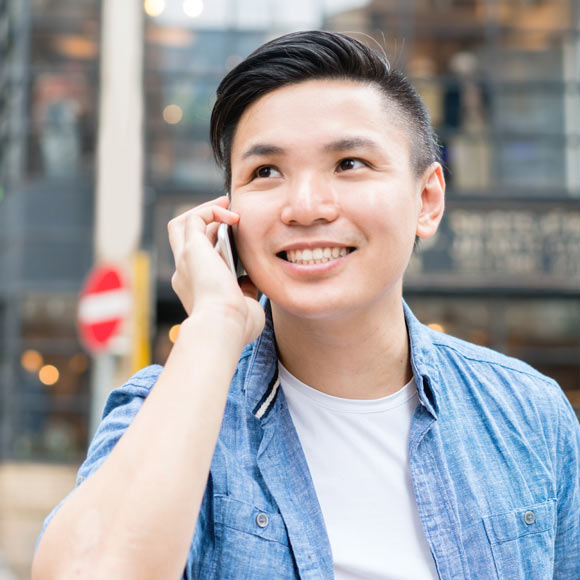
494 457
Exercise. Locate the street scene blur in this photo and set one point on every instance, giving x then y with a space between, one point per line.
104 117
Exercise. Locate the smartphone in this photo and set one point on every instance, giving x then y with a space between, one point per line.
227 249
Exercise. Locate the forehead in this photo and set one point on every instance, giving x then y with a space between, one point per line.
308 113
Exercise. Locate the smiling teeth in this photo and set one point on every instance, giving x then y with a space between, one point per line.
315 255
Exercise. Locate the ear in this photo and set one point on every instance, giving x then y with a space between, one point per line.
431 201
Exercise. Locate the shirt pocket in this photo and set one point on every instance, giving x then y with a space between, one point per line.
250 542
522 541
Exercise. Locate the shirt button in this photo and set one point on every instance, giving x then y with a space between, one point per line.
529 518
262 520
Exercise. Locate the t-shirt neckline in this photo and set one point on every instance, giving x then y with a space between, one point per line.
331 402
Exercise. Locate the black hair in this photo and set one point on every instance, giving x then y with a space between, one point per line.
310 55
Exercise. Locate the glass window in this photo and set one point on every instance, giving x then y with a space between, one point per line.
543 323
76 43
170 50
69 9
51 416
64 54
63 115
469 319
52 386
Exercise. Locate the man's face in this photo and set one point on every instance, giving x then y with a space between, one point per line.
327 197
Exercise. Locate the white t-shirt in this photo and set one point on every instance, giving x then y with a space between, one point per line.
357 452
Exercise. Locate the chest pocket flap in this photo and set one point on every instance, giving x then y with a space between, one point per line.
533 519
250 542
243 517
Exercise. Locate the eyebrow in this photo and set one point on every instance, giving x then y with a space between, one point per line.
350 143
260 150
346 144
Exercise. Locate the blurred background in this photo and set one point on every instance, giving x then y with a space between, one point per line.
501 79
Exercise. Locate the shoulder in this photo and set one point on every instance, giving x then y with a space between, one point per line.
137 388
139 385
454 351
480 387
462 366
504 385
121 407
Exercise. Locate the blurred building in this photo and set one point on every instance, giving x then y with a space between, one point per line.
49 55
501 79
46 218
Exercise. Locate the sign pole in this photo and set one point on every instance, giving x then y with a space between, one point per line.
103 371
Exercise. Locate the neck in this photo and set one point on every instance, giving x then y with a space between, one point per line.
363 357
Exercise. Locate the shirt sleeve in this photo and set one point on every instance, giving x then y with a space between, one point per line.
120 409
567 549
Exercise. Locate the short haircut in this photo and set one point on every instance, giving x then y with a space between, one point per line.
315 55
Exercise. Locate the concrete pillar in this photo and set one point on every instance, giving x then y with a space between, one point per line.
119 182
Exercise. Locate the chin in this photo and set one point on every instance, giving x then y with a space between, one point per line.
325 305
317 307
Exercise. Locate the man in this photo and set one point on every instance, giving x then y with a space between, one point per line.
346 440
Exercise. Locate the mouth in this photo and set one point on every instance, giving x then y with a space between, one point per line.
315 255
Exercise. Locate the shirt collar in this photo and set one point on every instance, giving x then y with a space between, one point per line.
424 361
262 381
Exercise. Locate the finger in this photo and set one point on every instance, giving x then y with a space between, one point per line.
178 225
197 221
175 230
182 217
222 201
208 211
211 233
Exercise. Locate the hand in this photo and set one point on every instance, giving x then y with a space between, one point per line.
202 281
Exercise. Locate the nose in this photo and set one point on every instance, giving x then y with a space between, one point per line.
310 200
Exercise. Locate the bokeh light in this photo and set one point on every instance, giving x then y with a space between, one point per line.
154 7
78 363
31 360
192 8
436 326
48 375
174 332
172 114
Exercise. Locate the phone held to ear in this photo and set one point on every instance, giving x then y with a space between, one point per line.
227 249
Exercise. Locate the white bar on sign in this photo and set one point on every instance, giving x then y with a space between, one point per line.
104 306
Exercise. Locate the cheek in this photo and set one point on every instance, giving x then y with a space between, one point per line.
249 233
375 202
383 215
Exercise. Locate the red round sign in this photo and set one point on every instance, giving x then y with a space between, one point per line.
103 304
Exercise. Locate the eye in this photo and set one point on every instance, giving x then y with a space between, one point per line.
349 164
266 172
